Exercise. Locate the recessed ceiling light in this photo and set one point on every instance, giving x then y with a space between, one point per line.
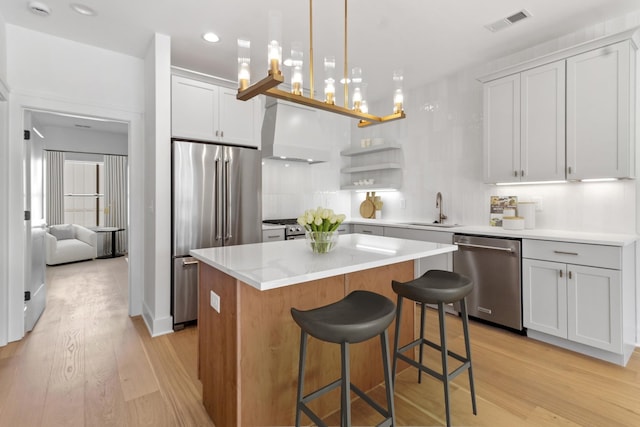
211 37
39 8
82 9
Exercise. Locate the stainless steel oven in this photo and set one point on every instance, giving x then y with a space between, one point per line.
494 265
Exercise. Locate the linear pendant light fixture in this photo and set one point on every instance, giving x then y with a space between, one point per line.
268 85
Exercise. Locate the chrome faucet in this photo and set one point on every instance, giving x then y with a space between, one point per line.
441 216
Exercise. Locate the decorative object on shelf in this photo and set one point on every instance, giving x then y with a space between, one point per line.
498 205
267 86
321 227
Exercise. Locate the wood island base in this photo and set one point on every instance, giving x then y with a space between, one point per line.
248 352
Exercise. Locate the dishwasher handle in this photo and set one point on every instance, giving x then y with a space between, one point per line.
471 245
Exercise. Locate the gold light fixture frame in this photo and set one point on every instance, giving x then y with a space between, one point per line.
268 86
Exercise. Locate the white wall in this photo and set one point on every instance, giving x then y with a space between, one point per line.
157 287
52 74
442 146
84 141
3 50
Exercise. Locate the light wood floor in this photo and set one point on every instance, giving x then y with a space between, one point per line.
87 363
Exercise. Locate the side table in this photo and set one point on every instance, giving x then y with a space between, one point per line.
113 231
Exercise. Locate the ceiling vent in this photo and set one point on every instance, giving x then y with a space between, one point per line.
508 21
39 8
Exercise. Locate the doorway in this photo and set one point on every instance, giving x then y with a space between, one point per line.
75 138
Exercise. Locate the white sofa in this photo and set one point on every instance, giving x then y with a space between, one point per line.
70 243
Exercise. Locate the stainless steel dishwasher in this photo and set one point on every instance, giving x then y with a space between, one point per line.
494 265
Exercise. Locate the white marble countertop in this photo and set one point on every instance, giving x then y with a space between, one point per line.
275 264
610 239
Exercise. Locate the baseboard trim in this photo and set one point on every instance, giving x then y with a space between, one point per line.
157 327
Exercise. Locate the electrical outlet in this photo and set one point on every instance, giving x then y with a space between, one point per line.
215 301
538 202
403 204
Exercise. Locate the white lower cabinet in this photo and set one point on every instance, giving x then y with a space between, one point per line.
594 307
574 296
437 262
544 294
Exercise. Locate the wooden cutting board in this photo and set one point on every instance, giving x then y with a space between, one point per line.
367 208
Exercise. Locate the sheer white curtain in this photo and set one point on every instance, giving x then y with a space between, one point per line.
115 198
54 164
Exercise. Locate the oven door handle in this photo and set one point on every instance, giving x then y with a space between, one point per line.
471 245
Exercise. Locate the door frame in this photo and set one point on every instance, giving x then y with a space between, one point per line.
17 257
4 212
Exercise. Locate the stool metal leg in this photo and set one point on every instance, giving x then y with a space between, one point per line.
396 339
467 344
301 366
384 344
345 406
421 341
445 366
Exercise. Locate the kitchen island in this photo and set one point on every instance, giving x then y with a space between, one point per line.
248 342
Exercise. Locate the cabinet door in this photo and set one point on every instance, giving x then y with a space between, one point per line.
598 113
194 106
595 307
237 119
544 297
502 130
542 142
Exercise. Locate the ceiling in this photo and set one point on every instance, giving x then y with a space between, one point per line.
427 39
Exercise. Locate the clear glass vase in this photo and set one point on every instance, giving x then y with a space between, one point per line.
322 242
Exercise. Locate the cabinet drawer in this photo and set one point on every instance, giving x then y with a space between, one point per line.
273 235
376 230
573 253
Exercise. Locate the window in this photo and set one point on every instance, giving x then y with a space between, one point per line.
84 193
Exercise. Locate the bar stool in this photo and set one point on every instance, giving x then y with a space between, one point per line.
436 287
359 316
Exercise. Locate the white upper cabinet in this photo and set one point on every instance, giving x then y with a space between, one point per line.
568 115
542 128
600 113
206 112
524 118
502 130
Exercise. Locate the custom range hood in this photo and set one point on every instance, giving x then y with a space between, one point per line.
292 132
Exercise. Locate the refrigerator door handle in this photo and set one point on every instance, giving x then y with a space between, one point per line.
227 212
217 203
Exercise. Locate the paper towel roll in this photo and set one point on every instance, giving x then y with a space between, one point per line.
528 211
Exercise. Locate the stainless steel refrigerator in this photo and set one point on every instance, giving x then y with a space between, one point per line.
216 201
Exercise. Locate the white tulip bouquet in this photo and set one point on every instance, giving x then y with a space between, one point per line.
320 225
320 219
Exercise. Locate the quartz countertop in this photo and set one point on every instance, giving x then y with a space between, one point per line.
275 264
610 239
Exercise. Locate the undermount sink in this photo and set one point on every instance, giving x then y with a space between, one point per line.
432 224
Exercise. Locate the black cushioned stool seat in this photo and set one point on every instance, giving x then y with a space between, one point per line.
359 316
440 288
